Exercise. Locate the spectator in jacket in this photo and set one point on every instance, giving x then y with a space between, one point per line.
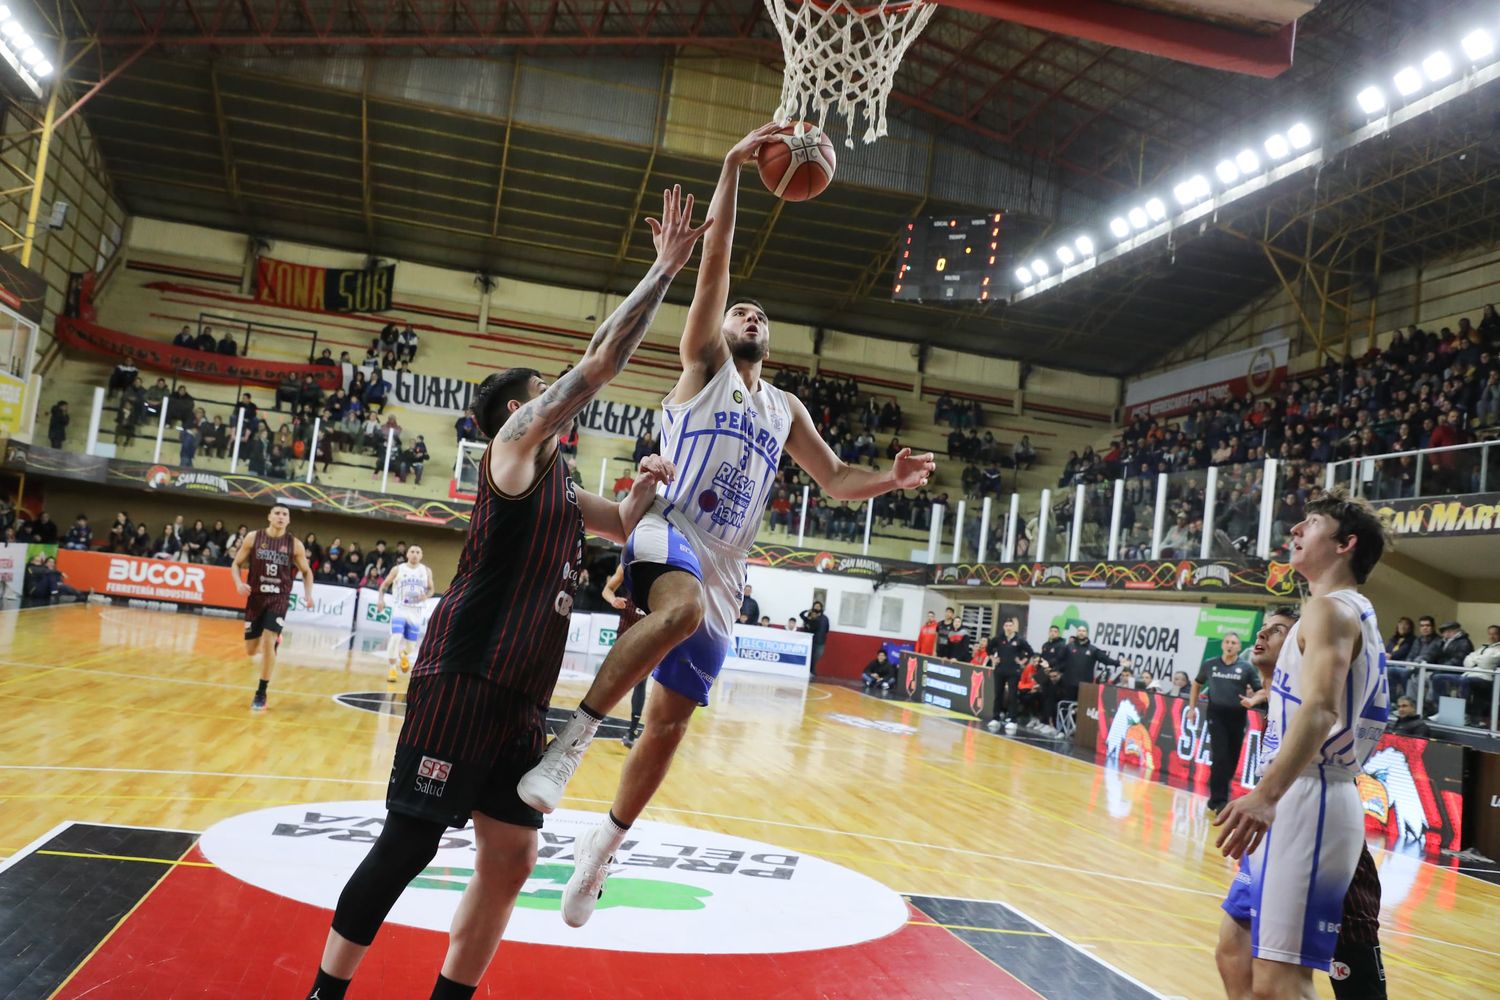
80 536
1456 646
185 338
227 345
57 424
206 341
1406 721
1399 647
406 344
953 641
1428 643
466 428
816 622
879 672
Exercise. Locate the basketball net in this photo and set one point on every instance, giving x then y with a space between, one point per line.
843 57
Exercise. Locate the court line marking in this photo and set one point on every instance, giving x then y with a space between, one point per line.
125 857
36 845
1071 944
1044 934
118 924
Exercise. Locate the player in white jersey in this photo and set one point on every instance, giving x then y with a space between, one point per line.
411 584
1298 833
724 429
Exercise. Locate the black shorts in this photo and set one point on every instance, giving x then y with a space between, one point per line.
464 745
264 617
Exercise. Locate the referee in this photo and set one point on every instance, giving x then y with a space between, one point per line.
1227 677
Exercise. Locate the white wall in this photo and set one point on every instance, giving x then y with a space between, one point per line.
786 593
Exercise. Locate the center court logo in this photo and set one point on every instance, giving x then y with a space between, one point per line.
678 890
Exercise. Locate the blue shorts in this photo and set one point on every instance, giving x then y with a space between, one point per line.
693 664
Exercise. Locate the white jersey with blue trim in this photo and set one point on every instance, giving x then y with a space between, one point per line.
1364 704
410 586
726 443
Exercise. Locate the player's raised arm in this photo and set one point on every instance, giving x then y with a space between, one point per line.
841 480
615 341
703 348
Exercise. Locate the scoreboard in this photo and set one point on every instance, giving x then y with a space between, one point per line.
950 258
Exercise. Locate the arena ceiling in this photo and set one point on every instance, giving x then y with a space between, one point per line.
198 123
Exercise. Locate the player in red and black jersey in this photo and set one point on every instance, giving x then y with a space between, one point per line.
629 615
275 557
476 709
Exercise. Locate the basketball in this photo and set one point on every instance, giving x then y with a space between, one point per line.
797 167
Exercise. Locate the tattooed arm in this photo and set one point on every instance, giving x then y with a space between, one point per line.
538 422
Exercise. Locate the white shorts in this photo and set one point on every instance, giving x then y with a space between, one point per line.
408 620
690 669
1291 890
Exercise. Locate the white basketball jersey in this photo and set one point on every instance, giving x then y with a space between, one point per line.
411 583
726 442
1363 706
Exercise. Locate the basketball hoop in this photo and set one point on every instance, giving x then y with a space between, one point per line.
843 57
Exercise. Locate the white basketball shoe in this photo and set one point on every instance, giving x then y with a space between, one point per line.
542 787
593 862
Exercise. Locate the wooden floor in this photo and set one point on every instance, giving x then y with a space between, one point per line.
135 718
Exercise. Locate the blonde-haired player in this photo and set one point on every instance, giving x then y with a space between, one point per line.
411 583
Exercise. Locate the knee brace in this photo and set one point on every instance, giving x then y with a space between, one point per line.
405 847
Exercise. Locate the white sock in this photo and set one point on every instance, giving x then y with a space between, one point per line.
392 648
408 650
614 833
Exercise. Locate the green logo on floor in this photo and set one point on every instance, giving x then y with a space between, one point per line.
544 890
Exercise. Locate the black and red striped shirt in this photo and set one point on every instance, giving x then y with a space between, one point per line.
271 571
505 615
1361 923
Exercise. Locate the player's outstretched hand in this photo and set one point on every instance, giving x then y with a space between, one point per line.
673 233
909 471
744 151
1245 821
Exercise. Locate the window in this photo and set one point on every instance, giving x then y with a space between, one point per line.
890 613
854 610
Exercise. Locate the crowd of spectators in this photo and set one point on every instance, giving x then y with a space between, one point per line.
204 340
1445 644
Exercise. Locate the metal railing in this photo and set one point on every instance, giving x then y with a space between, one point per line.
1408 475
1418 676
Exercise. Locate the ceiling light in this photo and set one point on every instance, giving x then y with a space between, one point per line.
1478 45
4 13
10 28
1371 100
1227 171
1201 188
41 69
1437 66
1247 161
1085 246
1137 217
1183 193
1023 276
1299 135
1157 209
1066 255
1408 81
1119 227
1277 148
1040 267
32 56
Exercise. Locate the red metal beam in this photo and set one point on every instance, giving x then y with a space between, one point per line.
1148 31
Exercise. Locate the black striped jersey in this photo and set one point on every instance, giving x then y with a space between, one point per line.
505 616
271 570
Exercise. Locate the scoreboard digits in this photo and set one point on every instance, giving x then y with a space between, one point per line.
949 258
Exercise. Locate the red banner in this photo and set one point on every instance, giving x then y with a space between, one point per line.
149 579
159 356
327 289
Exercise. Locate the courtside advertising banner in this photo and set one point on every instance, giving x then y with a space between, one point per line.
369 617
331 605
149 579
12 567
770 651
949 684
1156 635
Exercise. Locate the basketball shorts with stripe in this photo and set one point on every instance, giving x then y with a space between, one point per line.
693 665
265 614
1291 890
408 621
464 744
